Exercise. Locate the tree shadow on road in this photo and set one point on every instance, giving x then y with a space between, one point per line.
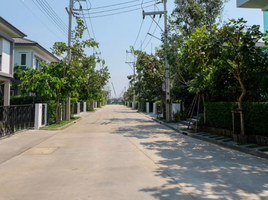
204 170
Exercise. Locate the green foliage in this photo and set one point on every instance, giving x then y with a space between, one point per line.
219 114
20 100
74 100
88 106
51 111
61 124
177 116
255 116
189 15
149 78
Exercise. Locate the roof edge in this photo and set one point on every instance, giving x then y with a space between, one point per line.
12 27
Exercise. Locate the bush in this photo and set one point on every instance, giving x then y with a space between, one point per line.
51 112
219 114
255 116
89 106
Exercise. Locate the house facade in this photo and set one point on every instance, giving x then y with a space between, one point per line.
29 54
7 35
257 4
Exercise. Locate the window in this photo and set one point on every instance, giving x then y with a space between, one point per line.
23 59
37 64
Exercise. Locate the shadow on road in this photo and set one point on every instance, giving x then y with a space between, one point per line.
201 169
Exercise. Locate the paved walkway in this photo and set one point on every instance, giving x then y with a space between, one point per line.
116 153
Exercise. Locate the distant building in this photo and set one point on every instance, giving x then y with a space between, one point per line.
257 4
7 34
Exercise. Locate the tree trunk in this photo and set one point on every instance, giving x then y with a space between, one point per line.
205 114
91 104
58 113
244 91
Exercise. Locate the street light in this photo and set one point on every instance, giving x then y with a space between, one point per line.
154 36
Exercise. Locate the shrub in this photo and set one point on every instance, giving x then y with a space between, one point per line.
51 112
255 116
89 106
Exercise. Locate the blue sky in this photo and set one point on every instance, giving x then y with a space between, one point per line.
115 33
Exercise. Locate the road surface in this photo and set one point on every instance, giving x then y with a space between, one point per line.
119 154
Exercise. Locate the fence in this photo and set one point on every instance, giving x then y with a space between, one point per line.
81 106
16 118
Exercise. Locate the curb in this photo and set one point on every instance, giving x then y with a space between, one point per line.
63 127
223 144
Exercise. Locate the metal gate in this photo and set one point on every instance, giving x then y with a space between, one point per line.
16 118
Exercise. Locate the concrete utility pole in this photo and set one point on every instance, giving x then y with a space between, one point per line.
134 73
168 103
70 12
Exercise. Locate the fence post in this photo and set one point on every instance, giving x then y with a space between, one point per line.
78 108
38 116
45 114
147 107
85 107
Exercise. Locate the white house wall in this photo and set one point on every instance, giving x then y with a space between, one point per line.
19 51
5 56
39 56
31 56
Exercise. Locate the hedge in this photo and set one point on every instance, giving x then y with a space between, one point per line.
255 116
88 106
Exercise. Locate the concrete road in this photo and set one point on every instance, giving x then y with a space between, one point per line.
118 154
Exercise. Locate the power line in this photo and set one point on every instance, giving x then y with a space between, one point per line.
120 8
51 15
114 5
138 33
146 34
41 21
93 32
157 23
49 18
56 15
151 36
119 12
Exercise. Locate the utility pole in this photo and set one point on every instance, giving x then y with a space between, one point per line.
134 73
70 12
168 103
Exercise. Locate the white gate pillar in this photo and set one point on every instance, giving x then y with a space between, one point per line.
38 116
85 107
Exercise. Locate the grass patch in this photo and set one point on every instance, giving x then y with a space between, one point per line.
188 130
61 124
92 110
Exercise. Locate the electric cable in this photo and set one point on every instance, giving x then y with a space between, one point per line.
114 5
56 15
93 32
98 16
41 21
138 33
50 13
151 36
120 8
50 19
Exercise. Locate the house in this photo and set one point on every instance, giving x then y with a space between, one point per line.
257 4
8 33
29 53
